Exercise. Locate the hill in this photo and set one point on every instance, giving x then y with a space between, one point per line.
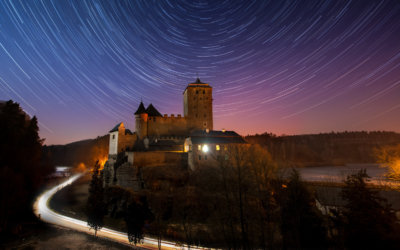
325 149
75 153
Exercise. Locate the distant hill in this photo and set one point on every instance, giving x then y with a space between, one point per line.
325 149
85 151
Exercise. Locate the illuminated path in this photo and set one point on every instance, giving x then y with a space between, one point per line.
41 208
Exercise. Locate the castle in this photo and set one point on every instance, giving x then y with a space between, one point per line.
187 140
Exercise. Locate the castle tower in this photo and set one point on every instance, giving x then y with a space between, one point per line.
141 118
197 105
120 138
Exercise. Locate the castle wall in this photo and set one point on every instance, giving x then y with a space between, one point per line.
156 158
167 125
126 141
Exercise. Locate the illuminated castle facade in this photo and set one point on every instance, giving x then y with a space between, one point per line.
198 115
161 139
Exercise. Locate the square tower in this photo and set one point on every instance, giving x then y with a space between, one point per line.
197 105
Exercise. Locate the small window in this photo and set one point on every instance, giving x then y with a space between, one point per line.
205 124
113 137
204 92
225 148
217 147
199 157
197 91
199 147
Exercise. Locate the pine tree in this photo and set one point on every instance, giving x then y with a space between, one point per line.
301 221
368 221
95 206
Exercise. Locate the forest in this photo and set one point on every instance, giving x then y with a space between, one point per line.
244 203
23 169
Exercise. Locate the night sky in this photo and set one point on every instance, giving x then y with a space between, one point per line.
286 67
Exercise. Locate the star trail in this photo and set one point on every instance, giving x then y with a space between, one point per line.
286 67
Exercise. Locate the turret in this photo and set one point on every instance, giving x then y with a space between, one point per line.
141 118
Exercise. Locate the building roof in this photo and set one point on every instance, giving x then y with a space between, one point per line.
215 137
116 127
152 111
140 109
198 83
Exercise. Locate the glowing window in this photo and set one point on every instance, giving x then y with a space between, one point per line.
199 147
217 147
205 148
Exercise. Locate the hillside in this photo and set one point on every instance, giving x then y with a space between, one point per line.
326 149
85 151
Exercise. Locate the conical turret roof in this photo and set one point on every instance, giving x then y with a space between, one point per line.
152 111
140 109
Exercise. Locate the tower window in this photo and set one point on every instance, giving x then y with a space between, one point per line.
217 147
197 91
113 137
204 92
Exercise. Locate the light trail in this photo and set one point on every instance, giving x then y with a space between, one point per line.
43 212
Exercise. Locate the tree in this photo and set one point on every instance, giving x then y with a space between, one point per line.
367 220
301 222
136 215
95 206
23 167
389 157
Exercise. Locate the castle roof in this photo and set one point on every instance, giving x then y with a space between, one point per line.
140 109
198 83
215 137
116 127
152 111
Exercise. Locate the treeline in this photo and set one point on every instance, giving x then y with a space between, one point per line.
244 203
72 154
23 168
325 149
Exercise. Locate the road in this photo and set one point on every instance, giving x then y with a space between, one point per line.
43 212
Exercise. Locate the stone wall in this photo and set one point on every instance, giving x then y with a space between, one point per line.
156 158
167 125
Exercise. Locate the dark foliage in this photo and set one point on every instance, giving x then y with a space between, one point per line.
95 207
301 221
325 149
22 166
137 213
367 221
